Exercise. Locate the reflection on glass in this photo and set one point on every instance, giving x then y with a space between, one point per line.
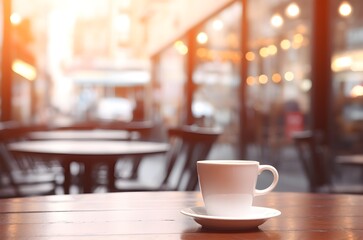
279 33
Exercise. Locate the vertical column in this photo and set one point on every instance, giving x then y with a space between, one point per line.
190 86
321 79
321 70
6 61
243 91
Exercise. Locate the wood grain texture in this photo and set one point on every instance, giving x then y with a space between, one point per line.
156 215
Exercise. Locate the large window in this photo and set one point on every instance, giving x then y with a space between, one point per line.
76 60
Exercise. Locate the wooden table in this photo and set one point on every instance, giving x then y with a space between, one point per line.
156 215
354 160
99 134
88 153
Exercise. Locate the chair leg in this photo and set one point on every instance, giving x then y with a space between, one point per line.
135 167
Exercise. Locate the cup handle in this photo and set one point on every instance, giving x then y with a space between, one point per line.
262 168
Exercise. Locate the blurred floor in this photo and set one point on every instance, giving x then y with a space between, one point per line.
291 174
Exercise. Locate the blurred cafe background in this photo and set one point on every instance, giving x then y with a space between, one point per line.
271 74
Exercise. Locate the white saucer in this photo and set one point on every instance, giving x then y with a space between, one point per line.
258 216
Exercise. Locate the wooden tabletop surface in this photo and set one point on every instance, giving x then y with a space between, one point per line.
156 215
89 148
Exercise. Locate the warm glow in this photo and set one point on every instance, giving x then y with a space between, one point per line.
181 47
125 4
217 24
357 91
276 78
263 79
250 56
250 81
296 45
341 63
292 10
345 9
15 19
272 49
122 22
263 52
202 38
357 66
202 53
24 69
306 85
289 76
285 44
298 38
277 20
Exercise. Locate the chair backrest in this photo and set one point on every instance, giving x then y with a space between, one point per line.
313 157
10 132
188 145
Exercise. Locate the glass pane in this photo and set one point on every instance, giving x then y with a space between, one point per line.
169 95
347 82
217 73
278 82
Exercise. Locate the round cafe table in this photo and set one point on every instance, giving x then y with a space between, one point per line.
98 134
88 153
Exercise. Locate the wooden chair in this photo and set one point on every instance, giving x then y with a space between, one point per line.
314 157
21 176
188 144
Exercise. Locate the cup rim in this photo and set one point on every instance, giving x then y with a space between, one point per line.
228 162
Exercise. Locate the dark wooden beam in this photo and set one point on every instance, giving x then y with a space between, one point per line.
6 62
190 86
321 70
243 139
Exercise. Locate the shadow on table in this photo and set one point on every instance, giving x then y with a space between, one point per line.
210 234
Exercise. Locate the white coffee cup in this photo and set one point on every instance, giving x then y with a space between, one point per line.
229 186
